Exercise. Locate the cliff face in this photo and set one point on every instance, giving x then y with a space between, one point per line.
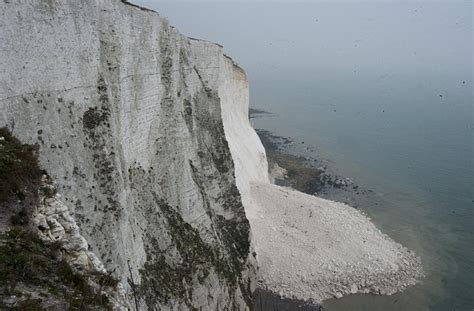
129 116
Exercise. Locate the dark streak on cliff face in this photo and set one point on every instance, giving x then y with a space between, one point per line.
96 126
163 281
182 260
137 6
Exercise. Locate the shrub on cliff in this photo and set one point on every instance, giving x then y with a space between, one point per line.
20 176
33 273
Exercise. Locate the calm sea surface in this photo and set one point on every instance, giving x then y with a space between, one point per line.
410 139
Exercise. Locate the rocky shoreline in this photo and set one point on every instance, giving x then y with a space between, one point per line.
299 172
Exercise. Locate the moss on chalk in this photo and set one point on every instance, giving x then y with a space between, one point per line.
93 117
20 178
170 280
26 261
31 270
164 279
20 174
99 137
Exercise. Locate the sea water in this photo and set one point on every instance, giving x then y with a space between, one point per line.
409 139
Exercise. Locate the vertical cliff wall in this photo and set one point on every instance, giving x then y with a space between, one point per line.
127 114
245 146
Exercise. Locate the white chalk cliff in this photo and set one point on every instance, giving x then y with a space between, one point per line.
146 133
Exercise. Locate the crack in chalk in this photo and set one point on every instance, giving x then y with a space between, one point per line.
94 86
48 91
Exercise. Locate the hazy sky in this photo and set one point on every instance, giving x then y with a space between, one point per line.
376 38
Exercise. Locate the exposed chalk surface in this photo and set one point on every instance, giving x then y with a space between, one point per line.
313 249
126 113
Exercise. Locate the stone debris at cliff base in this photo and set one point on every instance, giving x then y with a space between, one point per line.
314 249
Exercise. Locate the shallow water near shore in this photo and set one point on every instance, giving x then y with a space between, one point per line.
267 301
417 166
